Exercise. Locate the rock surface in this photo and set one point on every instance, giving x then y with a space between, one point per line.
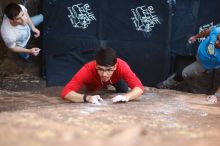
33 115
159 118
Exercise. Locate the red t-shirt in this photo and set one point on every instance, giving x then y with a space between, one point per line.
88 76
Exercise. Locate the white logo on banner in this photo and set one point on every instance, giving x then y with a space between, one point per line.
80 15
143 19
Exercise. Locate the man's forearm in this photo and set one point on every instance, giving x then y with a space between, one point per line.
18 49
134 93
204 33
30 23
74 97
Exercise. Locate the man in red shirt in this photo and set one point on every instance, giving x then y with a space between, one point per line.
105 69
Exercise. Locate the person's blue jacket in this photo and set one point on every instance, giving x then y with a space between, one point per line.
209 61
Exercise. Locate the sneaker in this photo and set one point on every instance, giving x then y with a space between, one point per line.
168 83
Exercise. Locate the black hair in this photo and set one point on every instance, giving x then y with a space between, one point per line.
12 10
106 57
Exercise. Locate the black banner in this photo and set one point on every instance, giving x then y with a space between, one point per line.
139 31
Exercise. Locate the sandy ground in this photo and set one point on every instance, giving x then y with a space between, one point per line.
159 118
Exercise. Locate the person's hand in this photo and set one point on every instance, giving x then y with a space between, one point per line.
192 39
211 49
95 99
120 98
36 32
212 99
34 51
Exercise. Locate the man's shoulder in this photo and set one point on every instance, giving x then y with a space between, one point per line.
5 22
122 66
23 7
121 62
90 65
6 28
88 69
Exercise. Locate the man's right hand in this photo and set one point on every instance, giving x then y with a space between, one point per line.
95 99
212 99
36 32
120 98
34 51
192 39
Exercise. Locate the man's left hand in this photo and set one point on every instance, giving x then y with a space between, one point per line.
120 98
36 32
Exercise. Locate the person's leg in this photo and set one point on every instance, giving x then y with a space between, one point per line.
121 86
24 55
193 70
170 82
180 63
38 19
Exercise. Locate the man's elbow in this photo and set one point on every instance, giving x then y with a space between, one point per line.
67 97
140 89
66 94
12 49
63 95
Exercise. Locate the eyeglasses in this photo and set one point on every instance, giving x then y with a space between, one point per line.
107 70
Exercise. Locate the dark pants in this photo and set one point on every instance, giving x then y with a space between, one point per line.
180 63
121 86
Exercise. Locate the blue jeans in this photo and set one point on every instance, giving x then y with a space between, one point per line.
121 86
38 19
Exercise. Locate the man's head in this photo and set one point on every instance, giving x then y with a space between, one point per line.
15 14
106 63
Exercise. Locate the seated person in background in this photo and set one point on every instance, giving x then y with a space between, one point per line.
104 70
16 30
208 57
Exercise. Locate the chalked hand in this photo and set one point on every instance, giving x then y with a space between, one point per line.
119 98
212 99
192 39
95 99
